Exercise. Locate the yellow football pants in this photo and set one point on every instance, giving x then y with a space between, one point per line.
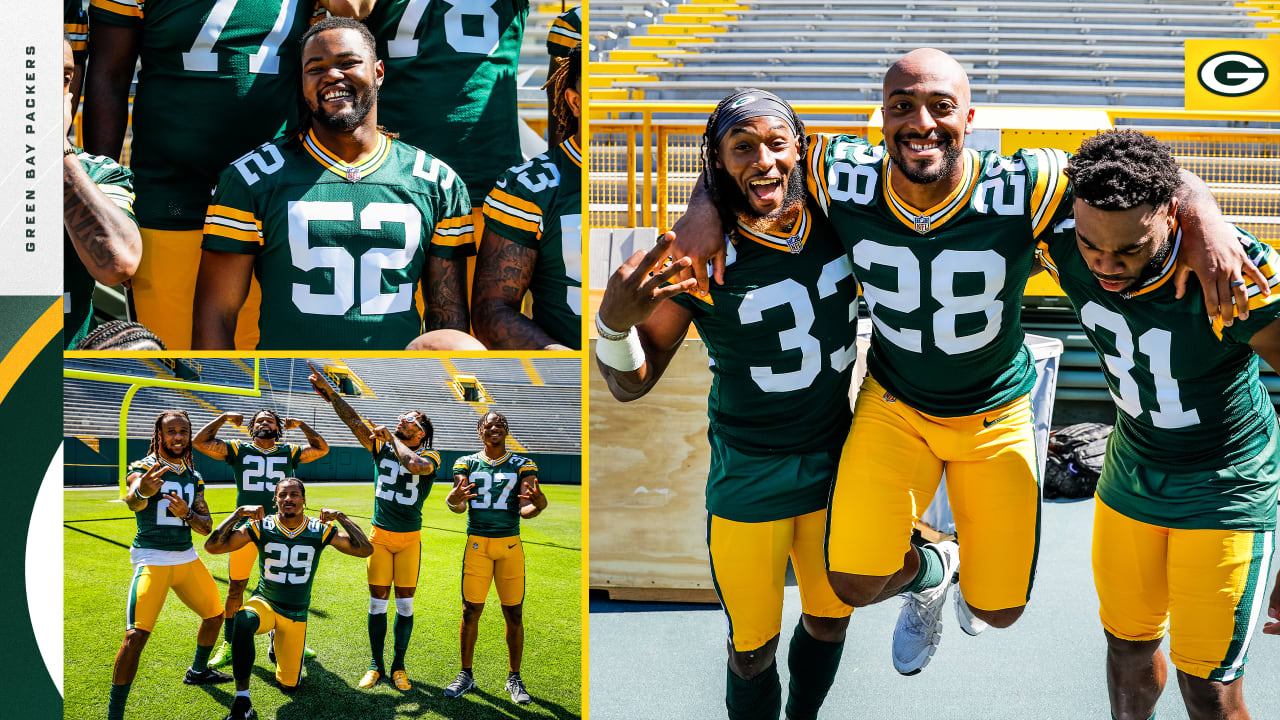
889 471
396 557
1206 588
191 582
749 568
240 562
290 639
493 561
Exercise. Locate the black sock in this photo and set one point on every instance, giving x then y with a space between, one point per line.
119 696
229 629
759 698
243 652
812 664
377 640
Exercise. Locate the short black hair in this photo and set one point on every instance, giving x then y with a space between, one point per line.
335 22
1122 169
500 416
302 487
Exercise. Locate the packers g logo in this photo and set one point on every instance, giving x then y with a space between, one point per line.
1232 73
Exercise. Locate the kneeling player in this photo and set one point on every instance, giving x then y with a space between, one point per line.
289 545
1186 506
493 554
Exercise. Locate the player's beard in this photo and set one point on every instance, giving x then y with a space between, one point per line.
266 433
924 176
347 120
740 206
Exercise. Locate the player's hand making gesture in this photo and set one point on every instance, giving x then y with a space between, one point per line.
151 481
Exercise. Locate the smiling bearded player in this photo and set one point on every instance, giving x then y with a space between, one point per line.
339 221
778 411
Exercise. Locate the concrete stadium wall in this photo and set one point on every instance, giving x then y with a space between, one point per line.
85 466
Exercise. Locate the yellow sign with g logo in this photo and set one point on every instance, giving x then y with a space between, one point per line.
1232 74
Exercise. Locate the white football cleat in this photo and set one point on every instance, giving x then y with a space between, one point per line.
919 627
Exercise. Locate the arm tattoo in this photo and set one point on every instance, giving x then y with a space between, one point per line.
444 290
358 539
97 227
200 520
346 413
504 272
313 437
222 533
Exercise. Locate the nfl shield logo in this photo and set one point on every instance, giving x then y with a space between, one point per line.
353 175
475 546
923 224
794 244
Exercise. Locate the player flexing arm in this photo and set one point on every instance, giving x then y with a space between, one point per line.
351 540
532 236
409 460
346 413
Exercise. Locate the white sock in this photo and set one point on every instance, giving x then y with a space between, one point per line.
378 606
404 606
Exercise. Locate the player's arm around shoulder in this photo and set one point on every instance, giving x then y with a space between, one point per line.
639 328
350 540
463 489
226 537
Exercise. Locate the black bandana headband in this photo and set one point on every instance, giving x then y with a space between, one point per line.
750 103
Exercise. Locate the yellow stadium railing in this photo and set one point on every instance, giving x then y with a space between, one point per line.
644 157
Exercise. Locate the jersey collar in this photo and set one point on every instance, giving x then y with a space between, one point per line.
274 446
788 242
286 531
572 150
935 216
179 468
1166 272
493 463
354 172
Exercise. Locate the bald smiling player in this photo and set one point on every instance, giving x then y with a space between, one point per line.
922 219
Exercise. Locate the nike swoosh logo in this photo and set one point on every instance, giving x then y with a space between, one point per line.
988 423
511 546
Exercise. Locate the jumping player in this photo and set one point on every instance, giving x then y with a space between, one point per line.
257 467
339 221
167 495
289 545
533 240
777 409
1185 515
404 467
496 488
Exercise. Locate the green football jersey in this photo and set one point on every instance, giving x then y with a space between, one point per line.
944 285
1186 390
495 510
450 86
116 182
218 78
397 493
539 205
75 23
257 471
287 562
340 248
565 33
158 528
781 333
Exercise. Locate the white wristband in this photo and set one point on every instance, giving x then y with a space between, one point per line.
626 355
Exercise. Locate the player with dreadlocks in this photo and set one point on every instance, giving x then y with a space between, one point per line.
257 466
533 239
167 494
121 335
778 408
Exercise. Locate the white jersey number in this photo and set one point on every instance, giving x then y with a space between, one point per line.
488 483
792 294
1157 345
278 556
186 492
260 466
404 44
907 297
388 492
373 263
266 61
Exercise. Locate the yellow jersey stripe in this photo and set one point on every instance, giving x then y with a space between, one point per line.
232 233
454 222
1057 190
128 8
572 149
817 179
231 213
494 213
451 240
364 166
511 201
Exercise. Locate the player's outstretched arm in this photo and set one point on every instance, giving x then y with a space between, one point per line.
226 538
351 539
221 287
1214 252
316 446
461 493
207 442
345 412
358 9
635 305
142 486
113 54
444 290
504 271
532 501
409 460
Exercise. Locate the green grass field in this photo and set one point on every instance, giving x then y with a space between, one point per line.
96 561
